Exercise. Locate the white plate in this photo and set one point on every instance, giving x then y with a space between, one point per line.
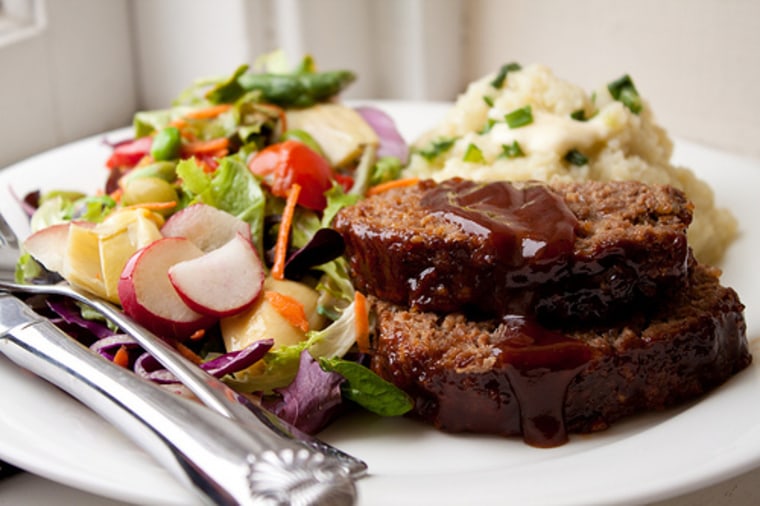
642 459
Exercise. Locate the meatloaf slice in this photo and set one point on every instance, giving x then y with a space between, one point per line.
629 248
513 378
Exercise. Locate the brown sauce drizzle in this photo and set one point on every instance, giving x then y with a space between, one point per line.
522 225
527 226
540 364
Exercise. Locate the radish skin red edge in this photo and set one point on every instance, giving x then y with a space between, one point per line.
222 282
148 296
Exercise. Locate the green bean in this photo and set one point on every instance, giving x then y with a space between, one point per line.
166 144
229 90
297 90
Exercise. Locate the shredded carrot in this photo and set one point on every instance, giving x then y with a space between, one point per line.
281 247
208 112
188 353
153 206
289 308
198 334
178 123
396 183
362 322
121 357
219 154
205 147
116 194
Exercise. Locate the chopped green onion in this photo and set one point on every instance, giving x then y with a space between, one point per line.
512 150
473 154
623 90
519 117
488 100
579 115
488 126
498 82
575 157
437 148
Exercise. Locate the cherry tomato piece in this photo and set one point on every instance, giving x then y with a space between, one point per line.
347 182
285 163
128 154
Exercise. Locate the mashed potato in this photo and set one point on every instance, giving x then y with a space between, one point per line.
569 135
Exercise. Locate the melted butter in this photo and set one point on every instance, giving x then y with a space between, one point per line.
559 134
550 133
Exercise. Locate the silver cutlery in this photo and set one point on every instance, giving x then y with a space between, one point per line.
212 392
225 462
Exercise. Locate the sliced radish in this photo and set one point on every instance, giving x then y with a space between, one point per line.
48 246
222 282
206 226
148 296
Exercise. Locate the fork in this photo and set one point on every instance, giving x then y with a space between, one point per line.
219 459
211 391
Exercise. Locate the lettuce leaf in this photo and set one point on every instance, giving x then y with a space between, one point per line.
279 366
231 188
367 389
337 199
311 401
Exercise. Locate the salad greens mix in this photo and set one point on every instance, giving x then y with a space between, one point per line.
274 148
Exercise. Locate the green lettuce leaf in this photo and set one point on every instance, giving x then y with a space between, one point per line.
27 269
231 188
280 365
367 389
337 199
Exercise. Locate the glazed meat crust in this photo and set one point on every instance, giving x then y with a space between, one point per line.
630 249
456 371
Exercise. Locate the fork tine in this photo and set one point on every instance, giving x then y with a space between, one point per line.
7 235
9 249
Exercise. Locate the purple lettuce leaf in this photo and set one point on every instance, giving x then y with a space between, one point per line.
312 400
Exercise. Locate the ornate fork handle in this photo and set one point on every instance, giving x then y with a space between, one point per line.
223 460
209 390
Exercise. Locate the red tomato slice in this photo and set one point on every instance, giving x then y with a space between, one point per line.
128 154
347 182
285 163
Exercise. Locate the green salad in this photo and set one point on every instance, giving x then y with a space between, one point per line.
212 230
